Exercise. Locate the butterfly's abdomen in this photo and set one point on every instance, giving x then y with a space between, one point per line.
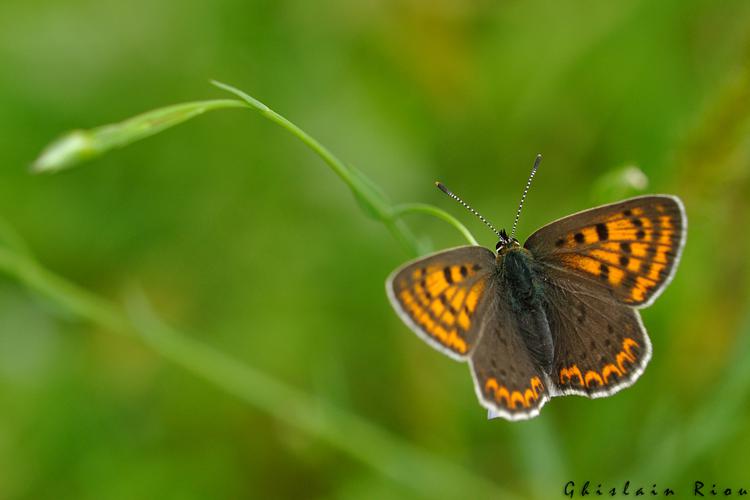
523 289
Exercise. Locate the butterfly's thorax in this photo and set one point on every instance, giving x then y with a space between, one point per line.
523 288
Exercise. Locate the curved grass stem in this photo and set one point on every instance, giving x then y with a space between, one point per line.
368 195
423 208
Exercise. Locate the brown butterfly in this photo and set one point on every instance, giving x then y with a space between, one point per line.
556 316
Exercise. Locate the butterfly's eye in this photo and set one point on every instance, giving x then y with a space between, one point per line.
499 245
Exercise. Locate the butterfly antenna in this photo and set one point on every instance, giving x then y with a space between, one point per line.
447 191
525 192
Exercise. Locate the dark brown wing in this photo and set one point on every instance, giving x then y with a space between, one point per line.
508 382
627 250
601 346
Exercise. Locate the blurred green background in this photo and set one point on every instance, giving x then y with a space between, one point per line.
245 240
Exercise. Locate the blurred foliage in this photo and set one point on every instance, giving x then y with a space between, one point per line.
239 236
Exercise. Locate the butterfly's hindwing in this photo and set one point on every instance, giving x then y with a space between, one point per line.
507 379
439 297
600 346
629 250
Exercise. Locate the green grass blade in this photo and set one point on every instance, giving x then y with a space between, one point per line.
78 146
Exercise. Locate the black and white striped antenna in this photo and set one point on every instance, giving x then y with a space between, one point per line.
447 191
525 192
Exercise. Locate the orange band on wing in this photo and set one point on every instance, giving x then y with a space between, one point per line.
525 398
608 373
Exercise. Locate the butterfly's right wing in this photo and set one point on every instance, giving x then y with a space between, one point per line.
442 297
507 380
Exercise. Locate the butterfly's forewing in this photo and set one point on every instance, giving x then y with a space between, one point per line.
627 250
507 379
441 297
601 346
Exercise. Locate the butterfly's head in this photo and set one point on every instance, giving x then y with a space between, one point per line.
505 242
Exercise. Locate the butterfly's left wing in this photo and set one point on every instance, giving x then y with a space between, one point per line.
442 297
627 251
601 346
598 266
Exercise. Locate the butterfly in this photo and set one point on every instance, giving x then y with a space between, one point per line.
554 317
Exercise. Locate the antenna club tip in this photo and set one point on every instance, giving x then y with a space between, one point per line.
537 161
442 187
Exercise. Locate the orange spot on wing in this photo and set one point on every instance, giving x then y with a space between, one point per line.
406 297
590 235
655 272
456 274
619 225
626 354
536 386
426 321
436 288
499 392
608 257
449 319
665 221
529 397
592 376
464 321
473 298
448 339
458 299
421 295
644 283
628 344
583 263
609 370
638 249
436 279
637 294
662 254
439 332
516 397
634 265
666 238
567 374
616 275
437 307
457 342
